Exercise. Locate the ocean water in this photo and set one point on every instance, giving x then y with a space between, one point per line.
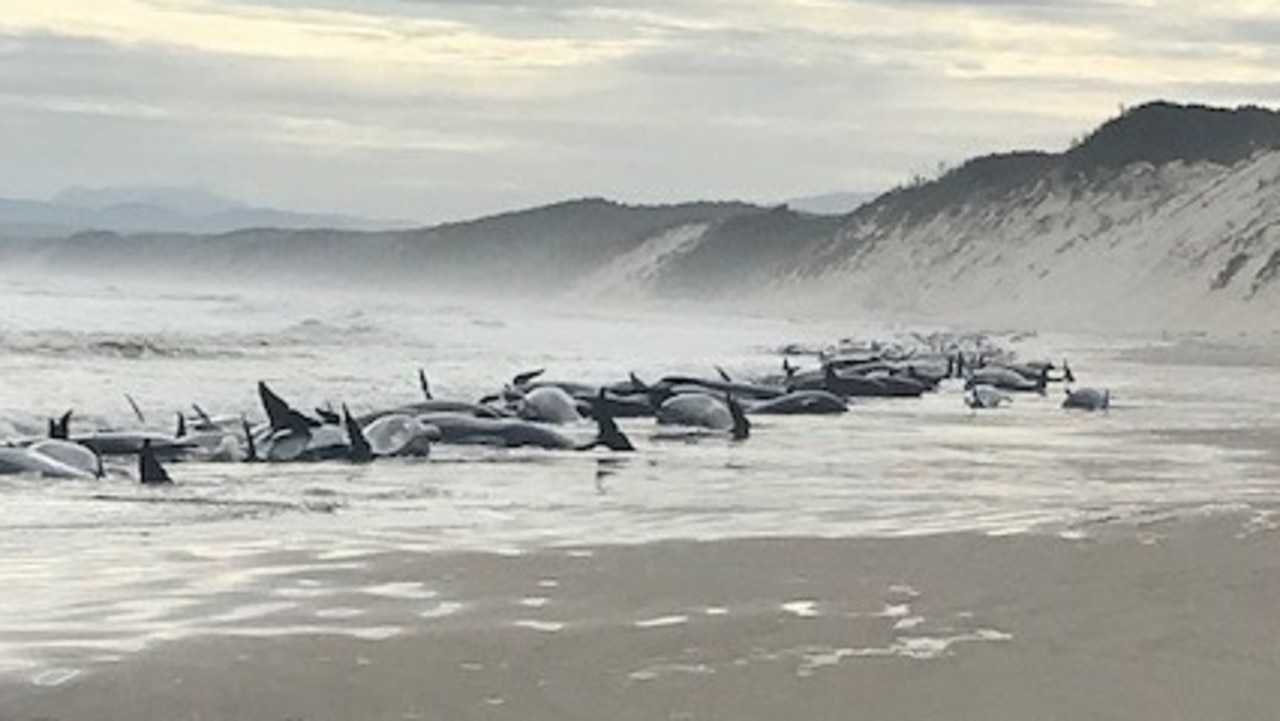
96 570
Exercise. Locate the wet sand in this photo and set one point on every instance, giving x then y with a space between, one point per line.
1171 619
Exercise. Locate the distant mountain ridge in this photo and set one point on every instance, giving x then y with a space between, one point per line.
157 209
1166 216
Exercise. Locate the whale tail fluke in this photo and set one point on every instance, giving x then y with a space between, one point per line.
608 434
60 428
788 370
328 415
150 472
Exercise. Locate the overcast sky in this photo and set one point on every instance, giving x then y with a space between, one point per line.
445 110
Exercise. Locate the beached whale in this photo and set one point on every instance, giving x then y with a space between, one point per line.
431 404
703 410
798 403
72 454
548 404
514 433
25 461
985 396
1089 399
677 385
1005 379
398 435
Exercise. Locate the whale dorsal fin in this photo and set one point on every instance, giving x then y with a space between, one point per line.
424 385
361 451
150 472
204 417
741 426
280 415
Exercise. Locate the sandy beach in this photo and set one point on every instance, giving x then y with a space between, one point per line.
1171 619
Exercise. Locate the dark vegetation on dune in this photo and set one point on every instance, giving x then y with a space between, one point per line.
1157 133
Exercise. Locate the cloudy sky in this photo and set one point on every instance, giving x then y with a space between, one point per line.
436 110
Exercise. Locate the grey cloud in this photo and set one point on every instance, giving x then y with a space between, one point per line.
699 111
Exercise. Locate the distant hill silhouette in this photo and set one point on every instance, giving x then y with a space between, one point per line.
1158 133
158 209
1162 132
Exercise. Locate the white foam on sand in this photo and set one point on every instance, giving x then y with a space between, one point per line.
442 609
408 590
536 625
802 608
662 621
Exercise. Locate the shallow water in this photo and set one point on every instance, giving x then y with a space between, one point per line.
95 570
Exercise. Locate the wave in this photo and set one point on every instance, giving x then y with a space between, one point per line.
128 346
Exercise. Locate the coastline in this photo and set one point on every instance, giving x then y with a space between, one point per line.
1173 618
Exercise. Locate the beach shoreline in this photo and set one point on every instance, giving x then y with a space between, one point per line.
1172 618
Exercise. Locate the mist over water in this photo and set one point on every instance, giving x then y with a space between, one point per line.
213 553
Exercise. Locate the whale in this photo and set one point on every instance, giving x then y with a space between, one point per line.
985 396
130 443
24 461
291 436
798 403
400 435
120 443
1089 399
343 441
431 404
72 454
705 411
1005 379
210 442
456 428
620 405
548 404
668 385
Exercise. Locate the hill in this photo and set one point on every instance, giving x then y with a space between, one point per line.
1166 216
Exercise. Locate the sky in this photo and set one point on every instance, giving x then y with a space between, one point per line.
449 109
